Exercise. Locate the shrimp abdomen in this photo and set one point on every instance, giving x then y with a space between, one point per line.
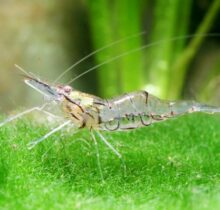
140 109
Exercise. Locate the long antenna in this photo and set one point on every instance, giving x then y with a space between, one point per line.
22 70
139 49
96 51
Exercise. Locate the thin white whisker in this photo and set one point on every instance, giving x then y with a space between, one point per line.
97 156
114 150
23 113
45 153
80 140
32 144
96 51
22 70
139 49
108 144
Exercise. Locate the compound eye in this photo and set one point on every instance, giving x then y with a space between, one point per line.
67 89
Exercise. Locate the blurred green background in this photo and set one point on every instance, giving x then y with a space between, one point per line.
46 37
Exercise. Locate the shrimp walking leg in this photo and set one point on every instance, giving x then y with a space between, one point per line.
40 109
109 145
113 149
34 143
45 153
97 156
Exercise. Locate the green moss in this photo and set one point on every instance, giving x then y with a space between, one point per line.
170 165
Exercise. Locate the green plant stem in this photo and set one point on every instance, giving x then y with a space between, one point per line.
102 33
112 21
130 68
165 22
180 66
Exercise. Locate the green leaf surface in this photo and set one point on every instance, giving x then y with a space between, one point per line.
170 165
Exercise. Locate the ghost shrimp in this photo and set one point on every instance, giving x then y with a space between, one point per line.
129 111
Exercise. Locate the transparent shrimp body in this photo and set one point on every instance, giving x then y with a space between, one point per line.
129 111
138 109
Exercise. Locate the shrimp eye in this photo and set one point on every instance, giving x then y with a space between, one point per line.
67 89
